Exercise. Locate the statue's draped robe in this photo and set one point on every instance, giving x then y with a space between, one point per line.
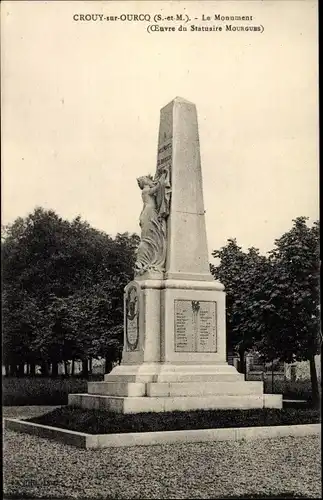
151 253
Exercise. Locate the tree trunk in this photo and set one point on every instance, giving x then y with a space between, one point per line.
314 383
32 369
242 361
73 367
54 369
119 356
44 369
66 368
85 368
90 365
7 370
108 365
21 370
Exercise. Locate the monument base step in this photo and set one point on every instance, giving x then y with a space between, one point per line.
174 389
175 378
166 373
180 403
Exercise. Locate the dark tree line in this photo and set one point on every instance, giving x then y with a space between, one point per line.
62 292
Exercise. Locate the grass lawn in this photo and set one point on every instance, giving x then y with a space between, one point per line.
104 422
300 389
25 411
268 468
41 390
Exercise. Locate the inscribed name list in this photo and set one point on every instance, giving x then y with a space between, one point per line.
195 326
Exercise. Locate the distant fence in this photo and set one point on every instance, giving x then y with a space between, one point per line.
257 370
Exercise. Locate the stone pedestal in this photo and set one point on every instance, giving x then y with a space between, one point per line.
174 355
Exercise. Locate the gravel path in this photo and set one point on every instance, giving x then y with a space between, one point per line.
41 468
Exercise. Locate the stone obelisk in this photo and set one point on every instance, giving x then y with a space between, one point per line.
174 355
187 253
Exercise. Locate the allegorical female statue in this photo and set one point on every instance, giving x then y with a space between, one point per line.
151 253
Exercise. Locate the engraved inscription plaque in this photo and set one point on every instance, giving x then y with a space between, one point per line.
195 326
132 318
164 155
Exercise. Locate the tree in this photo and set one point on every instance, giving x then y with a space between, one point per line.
290 315
240 273
63 286
21 322
273 303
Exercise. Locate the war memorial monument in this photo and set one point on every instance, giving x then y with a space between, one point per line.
174 354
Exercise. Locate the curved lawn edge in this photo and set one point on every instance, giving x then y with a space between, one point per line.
83 440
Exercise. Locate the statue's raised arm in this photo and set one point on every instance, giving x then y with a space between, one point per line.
163 193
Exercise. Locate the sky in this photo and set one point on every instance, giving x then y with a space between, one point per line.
81 103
